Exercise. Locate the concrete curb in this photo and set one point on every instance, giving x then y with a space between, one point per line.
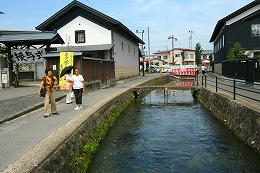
30 109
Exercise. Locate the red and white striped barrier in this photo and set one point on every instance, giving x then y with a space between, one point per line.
183 72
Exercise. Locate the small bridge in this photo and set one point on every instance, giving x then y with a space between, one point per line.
176 87
138 89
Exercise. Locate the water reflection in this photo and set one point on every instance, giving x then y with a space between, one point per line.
180 136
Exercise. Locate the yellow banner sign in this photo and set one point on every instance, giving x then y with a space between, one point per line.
66 59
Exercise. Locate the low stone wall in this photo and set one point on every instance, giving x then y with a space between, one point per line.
243 121
122 72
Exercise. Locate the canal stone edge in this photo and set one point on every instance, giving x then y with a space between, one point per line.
242 119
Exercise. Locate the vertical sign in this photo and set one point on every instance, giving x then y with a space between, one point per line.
66 59
4 77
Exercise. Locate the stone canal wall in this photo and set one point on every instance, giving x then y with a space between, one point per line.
62 150
242 120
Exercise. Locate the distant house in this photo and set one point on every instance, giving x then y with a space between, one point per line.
175 56
164 56
205 58
242 26
104 47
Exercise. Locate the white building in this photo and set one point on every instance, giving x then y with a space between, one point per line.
97 36
175 56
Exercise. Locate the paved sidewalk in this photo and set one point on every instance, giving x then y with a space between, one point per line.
246 94
20 135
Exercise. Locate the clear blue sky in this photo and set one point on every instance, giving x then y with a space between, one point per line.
163 17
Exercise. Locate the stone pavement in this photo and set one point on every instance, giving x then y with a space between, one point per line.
20 135
15 102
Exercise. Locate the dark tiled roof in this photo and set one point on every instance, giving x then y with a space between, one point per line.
57 54
87 48
222 22
183 49
162 52
34 37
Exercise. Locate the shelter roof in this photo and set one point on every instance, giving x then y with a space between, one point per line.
75 9
29 37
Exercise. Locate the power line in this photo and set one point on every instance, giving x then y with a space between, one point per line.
166 15
90 4
201 35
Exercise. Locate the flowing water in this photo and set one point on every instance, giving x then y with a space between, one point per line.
168 132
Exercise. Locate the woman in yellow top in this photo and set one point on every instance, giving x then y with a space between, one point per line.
48 82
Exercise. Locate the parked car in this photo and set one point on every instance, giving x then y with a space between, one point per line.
164 70
154 69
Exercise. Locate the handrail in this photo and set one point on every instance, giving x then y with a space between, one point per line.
230 86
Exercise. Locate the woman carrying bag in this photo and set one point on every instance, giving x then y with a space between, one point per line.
48 83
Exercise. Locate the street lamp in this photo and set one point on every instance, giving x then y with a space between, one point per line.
173 39
142 49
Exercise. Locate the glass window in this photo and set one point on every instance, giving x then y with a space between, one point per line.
80 36
223 41
255 30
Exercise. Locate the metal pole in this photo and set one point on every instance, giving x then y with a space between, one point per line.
142 47
216 84
205 81
149 48
234 90
173 38
172 51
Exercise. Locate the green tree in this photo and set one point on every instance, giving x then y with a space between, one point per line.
3 51
198 51
211 61
237 52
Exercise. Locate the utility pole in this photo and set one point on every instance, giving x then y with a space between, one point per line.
142 49
149 47
190 44
173 39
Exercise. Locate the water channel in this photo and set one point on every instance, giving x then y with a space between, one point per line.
168 132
